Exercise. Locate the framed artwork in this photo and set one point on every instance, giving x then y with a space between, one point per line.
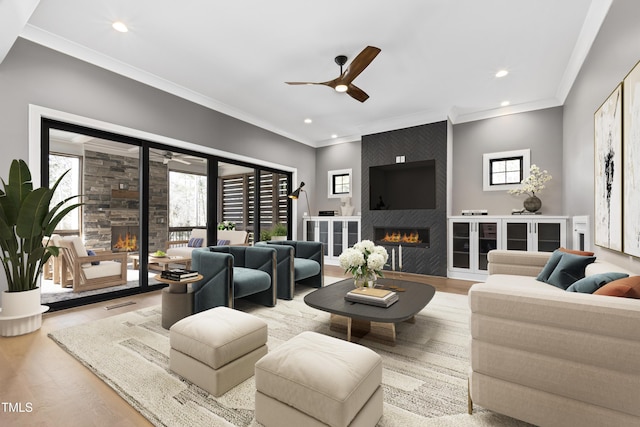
631 154
608 172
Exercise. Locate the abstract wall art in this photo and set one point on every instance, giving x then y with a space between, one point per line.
608 172
631 151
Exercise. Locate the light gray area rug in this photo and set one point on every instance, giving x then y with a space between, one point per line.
424 377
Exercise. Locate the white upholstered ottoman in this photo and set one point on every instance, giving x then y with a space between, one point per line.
316 380
217 349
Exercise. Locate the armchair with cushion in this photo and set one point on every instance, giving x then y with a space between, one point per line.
298 262
232 272
183 248
86 272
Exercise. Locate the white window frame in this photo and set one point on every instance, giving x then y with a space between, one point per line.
486 168
337 172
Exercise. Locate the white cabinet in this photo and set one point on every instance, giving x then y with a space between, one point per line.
539 234
336 232
472 237
469 242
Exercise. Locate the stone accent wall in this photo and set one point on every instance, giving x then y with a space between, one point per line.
112 197
417 143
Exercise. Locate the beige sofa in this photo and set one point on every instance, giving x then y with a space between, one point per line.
551 357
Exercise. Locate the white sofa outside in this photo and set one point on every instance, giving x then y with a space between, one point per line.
551 357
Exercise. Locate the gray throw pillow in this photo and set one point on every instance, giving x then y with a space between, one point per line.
569 270
551 265
590 284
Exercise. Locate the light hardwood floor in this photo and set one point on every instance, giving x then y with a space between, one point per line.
36 373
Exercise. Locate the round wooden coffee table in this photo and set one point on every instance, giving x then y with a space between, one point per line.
357 318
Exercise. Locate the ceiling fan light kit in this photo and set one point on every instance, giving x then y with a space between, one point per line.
343 83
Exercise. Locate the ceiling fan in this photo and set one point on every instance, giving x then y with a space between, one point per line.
343 83
168 156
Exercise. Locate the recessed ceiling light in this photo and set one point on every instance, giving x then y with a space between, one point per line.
502 73
504 103
307 121
120 26
334 136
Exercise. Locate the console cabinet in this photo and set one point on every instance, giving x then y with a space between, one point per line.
472 237
337 233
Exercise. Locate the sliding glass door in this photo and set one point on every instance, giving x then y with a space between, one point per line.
143 200
106 173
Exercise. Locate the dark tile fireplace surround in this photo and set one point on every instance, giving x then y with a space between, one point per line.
417 143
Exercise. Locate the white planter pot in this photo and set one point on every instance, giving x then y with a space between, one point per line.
21 312
278 238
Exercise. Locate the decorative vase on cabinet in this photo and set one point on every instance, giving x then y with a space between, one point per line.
532 204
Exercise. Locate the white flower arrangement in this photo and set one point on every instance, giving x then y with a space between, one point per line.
534 183
227 225
363 259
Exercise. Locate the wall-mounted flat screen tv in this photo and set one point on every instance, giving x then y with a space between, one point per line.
410 185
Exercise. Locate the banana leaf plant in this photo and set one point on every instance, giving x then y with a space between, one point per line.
25 220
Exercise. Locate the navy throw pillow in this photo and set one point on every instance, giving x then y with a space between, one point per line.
92 253
195 242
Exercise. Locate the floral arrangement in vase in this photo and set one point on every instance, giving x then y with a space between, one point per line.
364 261
227 225
531 185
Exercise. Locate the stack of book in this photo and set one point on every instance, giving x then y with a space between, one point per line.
178 274
371 296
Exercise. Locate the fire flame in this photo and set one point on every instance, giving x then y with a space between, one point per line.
129 243
397 237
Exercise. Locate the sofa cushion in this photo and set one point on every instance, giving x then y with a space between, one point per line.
628 287
247 281
569 270
590 284
304 268
551 265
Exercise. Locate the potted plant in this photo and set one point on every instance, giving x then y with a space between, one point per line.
265 235
279 232
26 220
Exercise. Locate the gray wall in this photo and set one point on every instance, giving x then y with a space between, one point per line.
340 156
614 53
540 131
32 74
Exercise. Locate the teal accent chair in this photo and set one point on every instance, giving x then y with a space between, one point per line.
232 272
299 261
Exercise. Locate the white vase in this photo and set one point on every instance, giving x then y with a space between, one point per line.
21 312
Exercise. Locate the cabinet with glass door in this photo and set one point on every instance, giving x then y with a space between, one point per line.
337 233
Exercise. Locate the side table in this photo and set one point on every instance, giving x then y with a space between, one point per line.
177 303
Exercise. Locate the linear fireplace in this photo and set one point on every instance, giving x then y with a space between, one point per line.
406 236
124 238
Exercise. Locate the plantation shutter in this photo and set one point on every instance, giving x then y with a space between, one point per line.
239 200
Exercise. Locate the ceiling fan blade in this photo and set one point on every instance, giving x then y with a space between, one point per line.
356 93
359 63
175 159
302 83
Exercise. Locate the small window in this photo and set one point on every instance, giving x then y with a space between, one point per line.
340 183
505 170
